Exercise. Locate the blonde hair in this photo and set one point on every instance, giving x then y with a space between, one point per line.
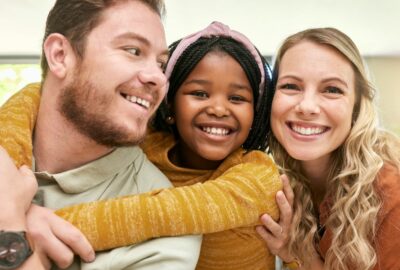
354 168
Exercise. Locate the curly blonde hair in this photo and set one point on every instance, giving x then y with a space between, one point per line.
354 168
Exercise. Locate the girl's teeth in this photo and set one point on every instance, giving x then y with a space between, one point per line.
216 131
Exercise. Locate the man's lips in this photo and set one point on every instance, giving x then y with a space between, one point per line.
137 100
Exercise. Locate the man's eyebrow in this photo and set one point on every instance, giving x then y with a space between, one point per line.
140 38
132 35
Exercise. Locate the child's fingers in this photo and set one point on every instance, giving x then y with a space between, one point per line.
287 189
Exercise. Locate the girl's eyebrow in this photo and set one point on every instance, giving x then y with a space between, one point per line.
198 81
206 82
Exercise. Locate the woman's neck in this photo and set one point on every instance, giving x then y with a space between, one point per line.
317 172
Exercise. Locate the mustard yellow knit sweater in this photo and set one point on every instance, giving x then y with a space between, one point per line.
225 209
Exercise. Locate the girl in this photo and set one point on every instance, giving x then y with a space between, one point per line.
213 125
344 171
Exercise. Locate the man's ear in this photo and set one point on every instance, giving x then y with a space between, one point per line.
58 50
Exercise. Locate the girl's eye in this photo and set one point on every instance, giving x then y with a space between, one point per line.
237 99
199 94
333 90
133 51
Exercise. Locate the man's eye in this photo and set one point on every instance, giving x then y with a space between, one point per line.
134 51
162 65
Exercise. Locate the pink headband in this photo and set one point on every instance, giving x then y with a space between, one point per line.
216 29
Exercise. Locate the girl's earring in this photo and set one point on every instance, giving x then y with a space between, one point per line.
170 120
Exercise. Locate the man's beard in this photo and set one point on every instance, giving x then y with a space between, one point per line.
87 108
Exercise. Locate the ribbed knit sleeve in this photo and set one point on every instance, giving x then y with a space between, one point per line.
235 199
17 120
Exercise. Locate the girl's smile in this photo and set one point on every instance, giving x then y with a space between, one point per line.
213 110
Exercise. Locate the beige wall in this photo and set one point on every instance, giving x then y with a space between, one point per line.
385 74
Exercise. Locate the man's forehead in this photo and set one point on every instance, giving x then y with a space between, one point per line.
131 19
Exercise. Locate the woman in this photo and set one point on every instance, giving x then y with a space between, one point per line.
344 171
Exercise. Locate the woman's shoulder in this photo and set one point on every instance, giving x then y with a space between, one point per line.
388 186
388 177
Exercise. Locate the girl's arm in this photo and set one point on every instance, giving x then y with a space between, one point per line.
236 198
17 120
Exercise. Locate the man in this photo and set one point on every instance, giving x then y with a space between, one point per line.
102 80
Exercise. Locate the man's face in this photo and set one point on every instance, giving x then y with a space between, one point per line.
119 83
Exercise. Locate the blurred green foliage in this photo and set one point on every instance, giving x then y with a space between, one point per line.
14 77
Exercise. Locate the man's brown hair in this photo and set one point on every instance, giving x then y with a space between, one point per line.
74 19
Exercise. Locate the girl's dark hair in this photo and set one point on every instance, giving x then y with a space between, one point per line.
260 130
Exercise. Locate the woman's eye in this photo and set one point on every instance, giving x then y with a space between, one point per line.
288 86
334 90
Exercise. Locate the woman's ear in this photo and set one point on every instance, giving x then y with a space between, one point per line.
57 49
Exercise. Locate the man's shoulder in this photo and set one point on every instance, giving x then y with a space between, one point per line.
148 176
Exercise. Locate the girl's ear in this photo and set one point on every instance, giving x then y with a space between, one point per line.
170 120
58 50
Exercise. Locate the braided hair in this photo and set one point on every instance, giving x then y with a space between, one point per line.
187 61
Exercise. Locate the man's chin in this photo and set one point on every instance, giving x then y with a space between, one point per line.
121 138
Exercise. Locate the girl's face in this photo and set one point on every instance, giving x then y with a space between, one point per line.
314 100
213 110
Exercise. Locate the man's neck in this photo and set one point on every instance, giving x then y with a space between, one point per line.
57 145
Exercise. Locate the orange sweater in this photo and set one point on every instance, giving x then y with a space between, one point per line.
387 241
225 209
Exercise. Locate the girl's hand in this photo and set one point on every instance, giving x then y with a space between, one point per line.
17 188
56 238
276 234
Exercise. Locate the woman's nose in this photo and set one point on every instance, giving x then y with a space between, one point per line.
308 104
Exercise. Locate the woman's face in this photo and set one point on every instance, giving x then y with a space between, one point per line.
314 100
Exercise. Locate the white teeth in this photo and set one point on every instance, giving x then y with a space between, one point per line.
308 131
139 101
216 131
